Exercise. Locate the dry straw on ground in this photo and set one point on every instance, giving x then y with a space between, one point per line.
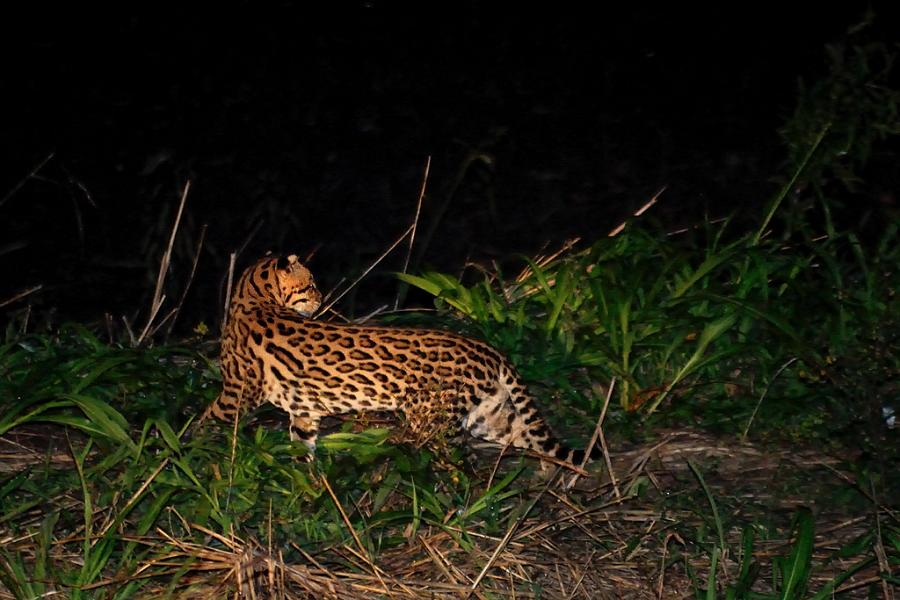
583 543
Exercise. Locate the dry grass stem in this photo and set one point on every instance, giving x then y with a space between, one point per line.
187 286
697 226
364 555
371 315
585 543
763 397
598 433
415 224
228 285
21 295
164 262
134 497
31 175
646 206
509 533
326 307
129 331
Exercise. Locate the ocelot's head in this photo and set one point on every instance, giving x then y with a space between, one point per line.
280 280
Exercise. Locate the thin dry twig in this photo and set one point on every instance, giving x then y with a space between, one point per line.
509 533
371 315
850 481
135 497
884 565
158 296
515 291
129 331
437 214
598 434
862 583
660 586
500 456
322 310
415 224
177 309
231 260
618 228
697 226
440 561
234 428
605 447
584 571
31 175
763 396
364 555
22 294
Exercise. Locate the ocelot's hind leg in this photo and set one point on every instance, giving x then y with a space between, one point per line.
494 419
304 425
306 430
510 421
433 417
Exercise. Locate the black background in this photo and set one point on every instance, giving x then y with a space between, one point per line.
306 127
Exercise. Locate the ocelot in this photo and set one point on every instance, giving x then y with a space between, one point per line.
273 352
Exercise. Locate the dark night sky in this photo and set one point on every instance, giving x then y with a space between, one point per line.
311 129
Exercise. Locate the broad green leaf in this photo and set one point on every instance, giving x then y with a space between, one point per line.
795 569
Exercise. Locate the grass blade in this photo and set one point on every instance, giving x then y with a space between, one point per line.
795 569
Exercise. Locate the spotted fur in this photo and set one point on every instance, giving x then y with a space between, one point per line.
272 352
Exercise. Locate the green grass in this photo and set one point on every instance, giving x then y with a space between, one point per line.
138 478
698 333
781 329
114 487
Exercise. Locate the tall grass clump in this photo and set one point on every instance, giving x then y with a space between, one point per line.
799 305
109 493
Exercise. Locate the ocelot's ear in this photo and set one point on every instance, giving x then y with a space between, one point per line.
286 262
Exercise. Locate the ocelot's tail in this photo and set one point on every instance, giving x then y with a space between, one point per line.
534 433
576 455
